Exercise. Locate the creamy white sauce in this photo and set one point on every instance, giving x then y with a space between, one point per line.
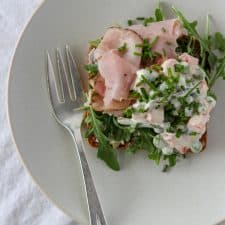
160 143
153 115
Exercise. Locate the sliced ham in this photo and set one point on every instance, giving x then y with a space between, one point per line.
156 116
197 123
181 144
114 108
118 74
167 31
185 57
117 69
116 37
191 61
169 63
99 85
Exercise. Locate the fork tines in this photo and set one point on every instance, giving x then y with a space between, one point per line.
64 85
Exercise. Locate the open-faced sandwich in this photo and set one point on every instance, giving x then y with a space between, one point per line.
150 88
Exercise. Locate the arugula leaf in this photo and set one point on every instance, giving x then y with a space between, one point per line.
219 41
105 150
213 65
171 161
220 72
189 26
106 128
155 155
212 60
108 154
142 139
192 31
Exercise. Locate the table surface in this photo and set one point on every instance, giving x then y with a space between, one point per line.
21 202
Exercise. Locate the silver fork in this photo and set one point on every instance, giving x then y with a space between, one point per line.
66 95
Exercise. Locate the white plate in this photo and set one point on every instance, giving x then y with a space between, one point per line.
193 193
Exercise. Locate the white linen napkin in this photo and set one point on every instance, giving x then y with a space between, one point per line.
21 203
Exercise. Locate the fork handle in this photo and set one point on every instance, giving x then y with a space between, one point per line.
94 207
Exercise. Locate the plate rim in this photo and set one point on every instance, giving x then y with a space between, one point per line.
8 114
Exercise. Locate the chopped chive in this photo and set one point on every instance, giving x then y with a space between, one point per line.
170 72
140 18
148 20
159 14
156 67
165 168
178 133
123 48
134 94
192 89
163 29
138 45
137 53
130 22
193 133
144 94
164 52
168 43
179 68
92 69
154 41
151 85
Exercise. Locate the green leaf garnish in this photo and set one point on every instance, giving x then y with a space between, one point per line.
130 22
140 18
155 155
163 29
123 48
94 43
219 73
159 14
92 69
148 20
105 150
147 53
179 68
191 29
219 41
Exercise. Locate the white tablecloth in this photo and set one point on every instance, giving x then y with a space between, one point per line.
21 203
